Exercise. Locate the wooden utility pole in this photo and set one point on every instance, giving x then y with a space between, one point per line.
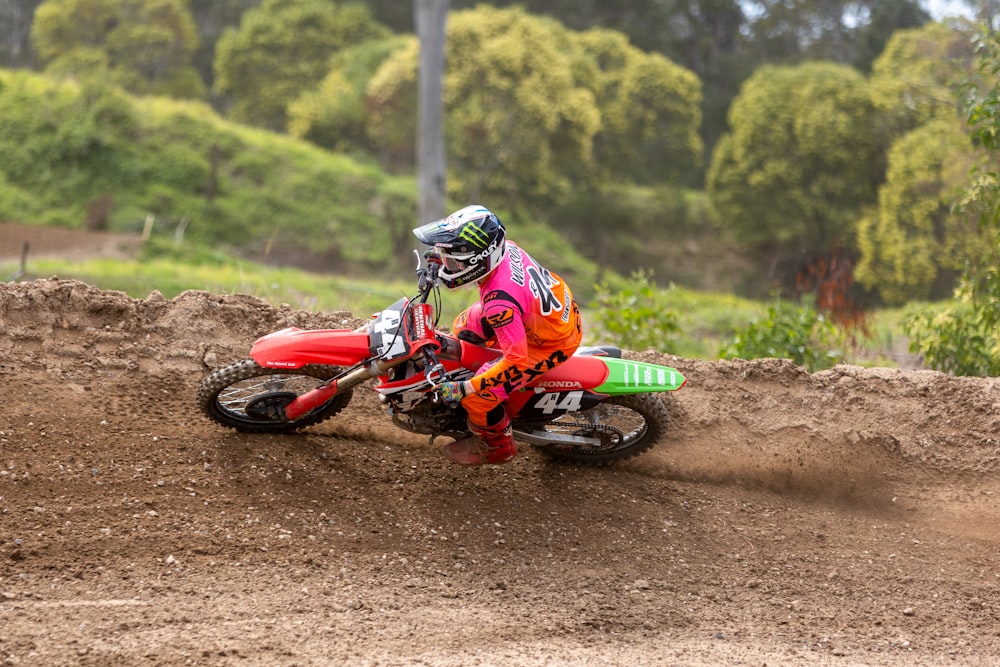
430 18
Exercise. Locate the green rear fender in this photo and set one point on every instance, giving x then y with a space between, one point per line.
638 377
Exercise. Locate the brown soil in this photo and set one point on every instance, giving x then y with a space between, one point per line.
33 241
848 517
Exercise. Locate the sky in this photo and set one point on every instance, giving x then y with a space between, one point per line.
938 9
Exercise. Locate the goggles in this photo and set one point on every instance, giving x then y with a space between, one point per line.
456 263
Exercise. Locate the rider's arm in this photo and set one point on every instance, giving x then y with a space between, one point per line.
505 315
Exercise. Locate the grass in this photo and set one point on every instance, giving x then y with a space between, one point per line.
707 320
299 289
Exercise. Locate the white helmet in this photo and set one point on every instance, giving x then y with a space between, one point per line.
472 242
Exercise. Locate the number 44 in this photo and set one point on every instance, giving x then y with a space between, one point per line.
568 402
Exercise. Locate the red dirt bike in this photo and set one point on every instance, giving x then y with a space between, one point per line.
595 408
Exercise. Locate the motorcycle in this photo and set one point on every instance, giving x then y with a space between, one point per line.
594 408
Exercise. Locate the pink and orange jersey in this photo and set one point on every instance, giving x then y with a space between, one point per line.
535 319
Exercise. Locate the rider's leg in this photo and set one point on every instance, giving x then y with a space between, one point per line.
491 441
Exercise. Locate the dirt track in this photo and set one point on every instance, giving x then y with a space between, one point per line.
848 517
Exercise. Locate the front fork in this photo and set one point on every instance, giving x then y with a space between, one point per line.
352 378
320 395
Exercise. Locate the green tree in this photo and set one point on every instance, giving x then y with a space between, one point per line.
913 80
801 162
282 48
650 112
535 111
518 121
912 246
333 115
145 46
964 337
705 37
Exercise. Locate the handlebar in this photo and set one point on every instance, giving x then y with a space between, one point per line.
427 276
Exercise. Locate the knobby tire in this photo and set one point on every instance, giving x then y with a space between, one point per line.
226 393
645 416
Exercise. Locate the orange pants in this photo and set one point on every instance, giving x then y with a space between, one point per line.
486 410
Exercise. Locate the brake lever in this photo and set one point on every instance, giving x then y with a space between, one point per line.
434 370
427 272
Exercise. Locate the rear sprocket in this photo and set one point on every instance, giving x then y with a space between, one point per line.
625 425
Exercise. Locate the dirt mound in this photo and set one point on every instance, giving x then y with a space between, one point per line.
844 517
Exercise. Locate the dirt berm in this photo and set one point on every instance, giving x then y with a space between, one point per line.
848 517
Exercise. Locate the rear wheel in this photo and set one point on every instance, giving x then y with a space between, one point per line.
625 425
252 399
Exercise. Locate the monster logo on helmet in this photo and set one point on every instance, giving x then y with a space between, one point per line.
472 242
475 236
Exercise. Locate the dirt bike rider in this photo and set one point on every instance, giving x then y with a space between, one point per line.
530 310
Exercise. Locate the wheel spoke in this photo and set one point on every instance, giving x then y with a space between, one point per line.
235 397
616 425
248 397
624 426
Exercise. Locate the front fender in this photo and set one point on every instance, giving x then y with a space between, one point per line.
294 348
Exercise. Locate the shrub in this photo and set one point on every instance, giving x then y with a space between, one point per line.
634 316
789 331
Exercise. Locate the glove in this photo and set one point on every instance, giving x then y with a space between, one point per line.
432 256
452 393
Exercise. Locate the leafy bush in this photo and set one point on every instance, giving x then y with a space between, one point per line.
963 339
633 316
789 331
64 148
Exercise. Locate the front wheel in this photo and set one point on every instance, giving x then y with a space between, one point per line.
251 398
626 426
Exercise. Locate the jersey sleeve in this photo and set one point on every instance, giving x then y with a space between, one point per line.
506 316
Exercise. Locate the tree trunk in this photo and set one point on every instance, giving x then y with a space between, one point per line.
15 27
430 17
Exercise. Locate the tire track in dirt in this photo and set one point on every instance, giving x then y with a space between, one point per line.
844 517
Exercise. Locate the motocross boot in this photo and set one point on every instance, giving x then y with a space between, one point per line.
493 444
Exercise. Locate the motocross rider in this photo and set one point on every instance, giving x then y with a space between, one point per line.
530 310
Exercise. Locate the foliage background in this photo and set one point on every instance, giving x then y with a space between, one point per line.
281 132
